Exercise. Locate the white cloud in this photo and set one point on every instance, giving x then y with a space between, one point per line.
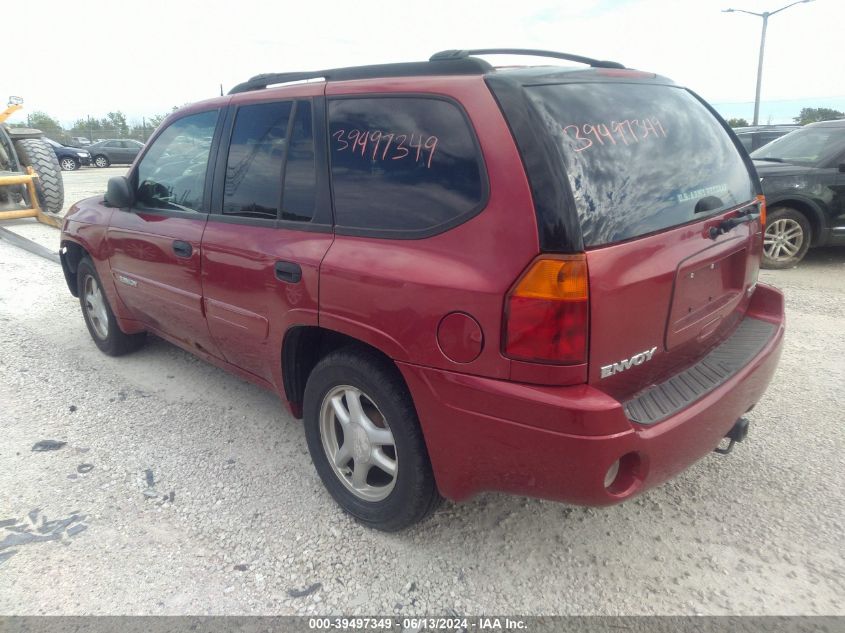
90 57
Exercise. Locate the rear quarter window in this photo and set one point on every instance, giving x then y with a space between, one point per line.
640 158
403 166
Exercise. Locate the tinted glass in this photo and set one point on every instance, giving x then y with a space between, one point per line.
402 164
172 173
300 174
640 158
808 146
256 155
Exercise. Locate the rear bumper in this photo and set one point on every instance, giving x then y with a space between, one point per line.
559 442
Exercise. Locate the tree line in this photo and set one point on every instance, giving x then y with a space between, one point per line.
113 125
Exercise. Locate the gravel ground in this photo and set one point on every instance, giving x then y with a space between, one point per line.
181 489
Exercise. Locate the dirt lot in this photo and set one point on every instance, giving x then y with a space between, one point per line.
182 489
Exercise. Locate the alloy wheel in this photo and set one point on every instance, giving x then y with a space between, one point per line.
95 307
358 442
783 239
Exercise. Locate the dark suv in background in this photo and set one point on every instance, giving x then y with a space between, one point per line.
537 280
755 137
803 177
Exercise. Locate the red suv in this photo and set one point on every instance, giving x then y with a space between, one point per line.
537 280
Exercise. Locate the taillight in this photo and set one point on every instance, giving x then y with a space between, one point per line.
547 312
762 200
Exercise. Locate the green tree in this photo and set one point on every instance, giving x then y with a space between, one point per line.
737 122
115 122
44 122
89 127
155 120
811 115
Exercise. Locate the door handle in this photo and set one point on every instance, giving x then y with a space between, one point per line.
288 271
182 249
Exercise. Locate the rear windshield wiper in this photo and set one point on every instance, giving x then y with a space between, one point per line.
773 160
748 215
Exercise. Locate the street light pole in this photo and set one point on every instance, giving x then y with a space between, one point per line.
765 15
760 69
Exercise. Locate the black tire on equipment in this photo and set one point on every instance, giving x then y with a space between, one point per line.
37 153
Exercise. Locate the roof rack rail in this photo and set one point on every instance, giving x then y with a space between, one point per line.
451 66
267 79
463 54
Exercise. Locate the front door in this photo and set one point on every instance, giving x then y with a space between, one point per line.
263 245
155 247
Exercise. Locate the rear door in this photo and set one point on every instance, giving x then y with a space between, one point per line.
651 172
263 245
156 245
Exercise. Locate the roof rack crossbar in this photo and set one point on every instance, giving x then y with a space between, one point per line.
462 54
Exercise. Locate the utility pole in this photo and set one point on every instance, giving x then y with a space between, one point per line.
765 15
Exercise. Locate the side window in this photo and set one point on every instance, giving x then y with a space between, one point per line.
172 173
253 185
403 164
113 144
746 139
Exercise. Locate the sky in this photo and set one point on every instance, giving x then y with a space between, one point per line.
144 57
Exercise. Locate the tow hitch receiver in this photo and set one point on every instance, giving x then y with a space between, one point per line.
736 434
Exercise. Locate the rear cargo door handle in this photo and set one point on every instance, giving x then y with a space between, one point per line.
182 249
288 271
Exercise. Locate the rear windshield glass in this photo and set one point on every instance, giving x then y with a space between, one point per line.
640 158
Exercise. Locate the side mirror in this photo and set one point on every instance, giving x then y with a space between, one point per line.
119 193
842 168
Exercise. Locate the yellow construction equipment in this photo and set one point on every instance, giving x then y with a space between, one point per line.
31 184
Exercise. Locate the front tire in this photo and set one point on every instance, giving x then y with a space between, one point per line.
98 315
366 442
68 164
787 238
101 161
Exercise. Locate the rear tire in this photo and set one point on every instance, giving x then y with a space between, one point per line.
98 315
49 187
786 239
381 433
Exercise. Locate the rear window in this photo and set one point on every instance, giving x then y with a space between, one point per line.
640 158
403 166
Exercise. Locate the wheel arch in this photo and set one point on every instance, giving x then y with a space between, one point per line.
70 254
303 347
810 210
